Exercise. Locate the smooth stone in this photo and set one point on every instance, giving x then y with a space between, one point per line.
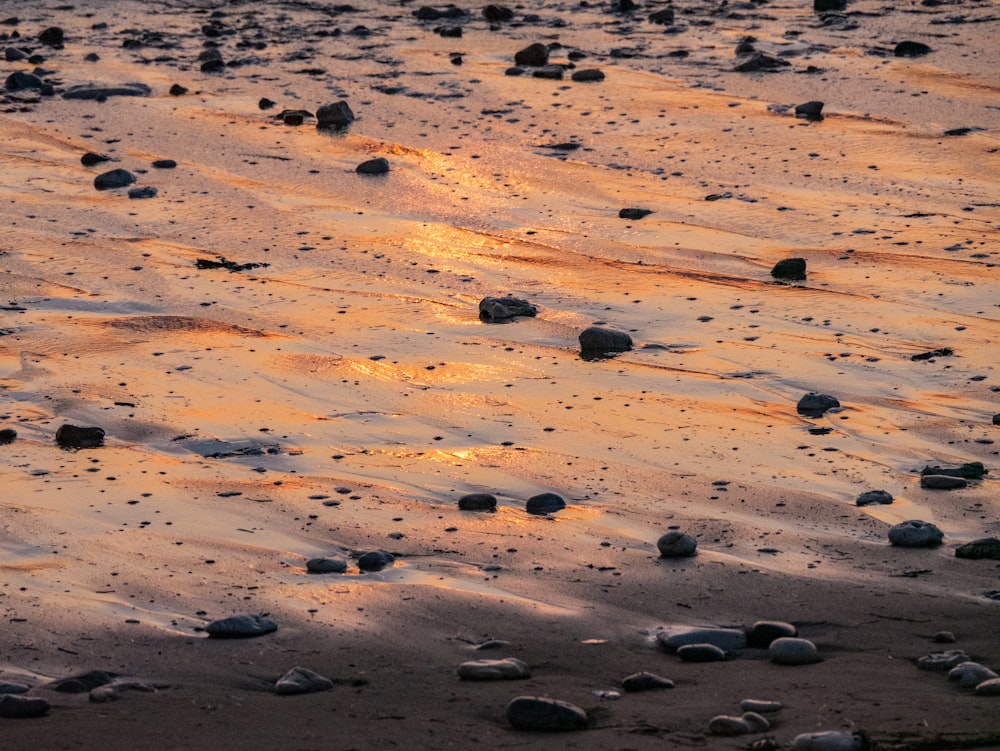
494 309
634 213
942 660
762 633
812 111
944 637
377 166
177 90
22 707
7 435
970 674
597 341
147 191
83 683
334 116
89 92
77 437
302 681
241 627
985 548
112 691
326 565
793 269
676 545
830 740
815 405
645 682
664 17
943 482
996 419
728 726
588 75
20 81
874 498
760 706
534 55
793 651
116 178
497 13
165 164
13 688
507 669
544 503
756 722
825 6
701 653
542 713
969 470
911 49
915 534
989 688
758 61
673 638
477 502
376 560
553 72
52 36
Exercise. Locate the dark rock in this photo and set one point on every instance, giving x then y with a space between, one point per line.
116 178
81 684
13 54
945 637
597 342
664 17
758 61
987 548
497 13
90 159
544 503
145 192
826 6
14 688
677 545
326 565
376 560
165 164
52 37
942 352
19 81
292 118
76 437
534 55
588 75
911 49
213 66
377 166
792 269
969 470
622 6
943 482
265 104
542 713
874 497
449 32
996 419
915 534
812 111
514 71
701 653
746 45
426 13
762 633
792 651
91 92
22 707
177 90
634 213
477 502
336 116
506 669
240 627
302 681
645 682
7 435
815 405
496 309
554 72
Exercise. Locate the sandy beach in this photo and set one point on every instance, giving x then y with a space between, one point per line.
288 363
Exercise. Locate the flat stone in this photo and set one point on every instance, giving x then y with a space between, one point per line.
478 502
82 683
645 682
762 633
760 706
333 565
506 669
241 627
815 405
942 660
22 707
727 639
542 713
544 503
812 111
98 92
944 637
377 166
728 726
78 437
588 75
970 674
915 533
943 482
985 548
829 740
701 653
875 497
147 191
756 722
968 470
113 691
911 49
20 81
634 213
677 545
989 688
300 680
13 688
793 651
553 72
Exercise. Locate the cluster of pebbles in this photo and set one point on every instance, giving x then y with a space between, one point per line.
960 668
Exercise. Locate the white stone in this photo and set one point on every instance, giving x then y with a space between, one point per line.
830 740
970 674
989 688
790 650
302 681
506 669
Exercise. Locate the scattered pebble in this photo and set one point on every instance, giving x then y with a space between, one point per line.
477 502
535 55
116 178
336 116
497 309
333 565
815 405
989 688
22 707
944 637
302 681
634 213
376 166
942 660
83 683
90 159
588 75
760 706
542 713
793 651
645 682
875 497
728 726
544 503
762 633
915 533
376 560
506 669
830 740
677 545
147 191
911 49
812 111
241 627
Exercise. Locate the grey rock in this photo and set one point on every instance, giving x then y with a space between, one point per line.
969 470
543 713
20 81
506 669
83 683
116 178
830 740
762 633
241 627
336 116
376 560
760 706
498 309
792 269
588 75
333 565
990 687
942 660
597 342
477 502
943 482
634 213
677 545
22 707
970 674
377 166
727 639
147 191
944 637
302 681
915 533
544 503
812 111
96 91
701 653
758 61
756 722
77 437
13 688
728 726
793 651
875 497
553 72
534 55
815 405
645 682
985 548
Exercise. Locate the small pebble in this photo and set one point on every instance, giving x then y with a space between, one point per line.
942 660
542 713
677 545
21 707
241 627
760 706
762 633
302 681
701 653
645 682
944 637
728 726
793 651
507 669
830 740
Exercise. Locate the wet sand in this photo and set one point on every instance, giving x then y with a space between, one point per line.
342 394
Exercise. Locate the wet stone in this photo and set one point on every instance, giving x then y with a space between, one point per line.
377 166
116 178
376 560
147 191
996 419
915 533
77 437
726 639
793 651
597 342
970 674
969 471
92 92
985 548
874 498
506 669
13 688
942 660
677 545
20 81
815 405
7 435
762 633
543 713
497 309
326 565
812 111
701 653
477 502
943 482
300 680
791 269
725 725
645 682
830 740
588 75
535 55
544 503
634 213
165 164
553 72
22 707
911 49
241 627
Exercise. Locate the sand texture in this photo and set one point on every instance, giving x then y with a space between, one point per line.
287 359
